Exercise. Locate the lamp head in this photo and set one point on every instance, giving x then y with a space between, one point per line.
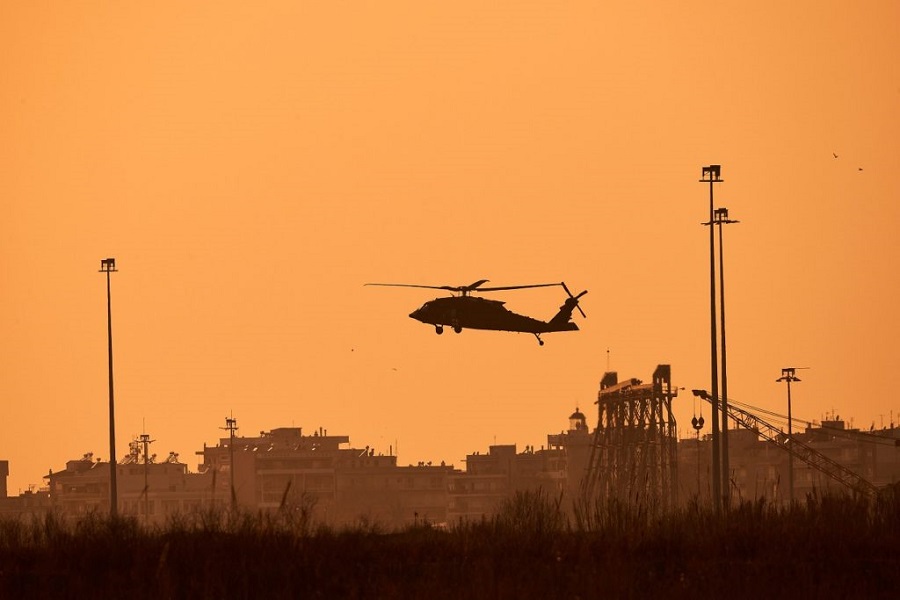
714 172
787 374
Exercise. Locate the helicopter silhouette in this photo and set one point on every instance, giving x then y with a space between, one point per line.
464 311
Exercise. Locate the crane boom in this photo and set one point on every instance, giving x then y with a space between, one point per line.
800 450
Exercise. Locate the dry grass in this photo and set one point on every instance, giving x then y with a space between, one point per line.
828 546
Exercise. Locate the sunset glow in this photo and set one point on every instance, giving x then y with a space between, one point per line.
252 165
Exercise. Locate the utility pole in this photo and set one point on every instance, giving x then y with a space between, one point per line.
712 175
108 265
787 374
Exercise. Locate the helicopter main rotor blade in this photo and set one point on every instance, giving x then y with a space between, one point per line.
461 289
476 286
517 287
413 285
473 286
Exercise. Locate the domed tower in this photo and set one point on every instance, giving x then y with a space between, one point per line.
577 422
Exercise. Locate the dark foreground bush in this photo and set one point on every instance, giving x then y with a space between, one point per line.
829 547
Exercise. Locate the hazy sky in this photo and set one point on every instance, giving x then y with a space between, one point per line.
251 165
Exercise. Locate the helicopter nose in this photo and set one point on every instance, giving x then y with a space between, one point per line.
416 314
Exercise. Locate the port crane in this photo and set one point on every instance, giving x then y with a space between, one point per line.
797 448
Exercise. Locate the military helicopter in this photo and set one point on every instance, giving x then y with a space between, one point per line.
464 311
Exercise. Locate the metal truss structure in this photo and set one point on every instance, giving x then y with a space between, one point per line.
633 457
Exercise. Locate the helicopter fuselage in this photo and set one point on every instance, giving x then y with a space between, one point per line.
473 312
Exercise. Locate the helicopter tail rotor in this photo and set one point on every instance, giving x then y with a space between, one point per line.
575 298
562 321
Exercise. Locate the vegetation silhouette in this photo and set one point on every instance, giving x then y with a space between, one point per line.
826 546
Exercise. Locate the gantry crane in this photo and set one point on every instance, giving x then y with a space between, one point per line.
633 454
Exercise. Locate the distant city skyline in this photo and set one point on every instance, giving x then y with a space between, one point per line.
632 456
686 434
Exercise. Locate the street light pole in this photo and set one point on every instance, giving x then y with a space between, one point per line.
712 175
787 374
231 427
146 441
108 265
721 218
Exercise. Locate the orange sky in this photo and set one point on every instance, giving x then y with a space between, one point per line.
251 165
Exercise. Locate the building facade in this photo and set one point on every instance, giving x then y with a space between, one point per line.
287 469
336 484
149 490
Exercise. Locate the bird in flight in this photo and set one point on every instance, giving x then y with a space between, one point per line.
834 154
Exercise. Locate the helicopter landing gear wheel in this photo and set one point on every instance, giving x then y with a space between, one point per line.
438 329
457 329
540 341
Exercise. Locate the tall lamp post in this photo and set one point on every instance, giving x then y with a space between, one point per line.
146 441
720 217
108 265
787 375
231 427
712 176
